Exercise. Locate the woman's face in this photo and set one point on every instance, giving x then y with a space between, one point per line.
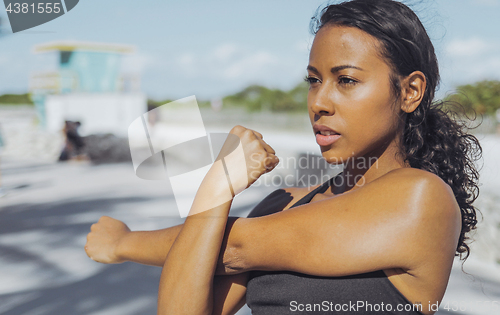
350 102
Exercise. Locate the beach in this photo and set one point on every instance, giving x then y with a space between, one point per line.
49 207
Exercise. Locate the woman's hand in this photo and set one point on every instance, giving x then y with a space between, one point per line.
246 157
104 239
243 158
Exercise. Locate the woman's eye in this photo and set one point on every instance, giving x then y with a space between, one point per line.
347 81
311 80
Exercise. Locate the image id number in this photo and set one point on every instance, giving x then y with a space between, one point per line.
31 8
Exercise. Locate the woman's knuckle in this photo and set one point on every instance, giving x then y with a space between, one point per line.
247 133
237 129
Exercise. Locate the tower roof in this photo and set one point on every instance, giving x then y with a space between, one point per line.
83 46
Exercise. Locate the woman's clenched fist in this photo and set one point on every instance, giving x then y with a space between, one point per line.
246 157
104 239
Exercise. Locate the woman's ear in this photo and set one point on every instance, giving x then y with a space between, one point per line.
413 90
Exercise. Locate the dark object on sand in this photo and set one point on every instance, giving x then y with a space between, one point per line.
74 145
107 148
98 148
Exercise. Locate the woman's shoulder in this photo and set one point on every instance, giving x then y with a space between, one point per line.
413 173
421 187
418 179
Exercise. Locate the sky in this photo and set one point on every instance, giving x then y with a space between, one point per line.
214 48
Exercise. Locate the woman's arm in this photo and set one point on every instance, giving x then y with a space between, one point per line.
186 283
110 241
404 219
391 221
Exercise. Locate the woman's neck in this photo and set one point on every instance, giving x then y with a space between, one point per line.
363 170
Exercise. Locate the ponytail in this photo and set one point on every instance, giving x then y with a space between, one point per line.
437 142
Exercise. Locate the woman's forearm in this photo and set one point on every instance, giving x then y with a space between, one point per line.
148 247
187 277
111 242
152 247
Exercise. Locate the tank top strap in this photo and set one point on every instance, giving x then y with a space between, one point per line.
320 189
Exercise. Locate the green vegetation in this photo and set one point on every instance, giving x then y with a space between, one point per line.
482 97
257 98
153 104
16 99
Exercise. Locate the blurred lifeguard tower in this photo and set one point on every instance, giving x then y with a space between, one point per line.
87 87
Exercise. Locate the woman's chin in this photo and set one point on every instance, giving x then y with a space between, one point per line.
333 158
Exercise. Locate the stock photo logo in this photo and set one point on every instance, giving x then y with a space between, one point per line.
182 151
25 14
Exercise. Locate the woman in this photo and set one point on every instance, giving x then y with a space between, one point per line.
378 238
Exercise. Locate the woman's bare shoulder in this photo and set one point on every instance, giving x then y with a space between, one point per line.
426 196
410 173
421 181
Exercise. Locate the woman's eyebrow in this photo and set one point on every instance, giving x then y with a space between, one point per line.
335 69
312 69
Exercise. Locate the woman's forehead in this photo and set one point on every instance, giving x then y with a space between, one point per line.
344 44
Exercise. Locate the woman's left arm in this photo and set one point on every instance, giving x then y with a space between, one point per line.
187 277
401 220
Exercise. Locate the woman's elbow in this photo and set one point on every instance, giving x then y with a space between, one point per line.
230 262
232 258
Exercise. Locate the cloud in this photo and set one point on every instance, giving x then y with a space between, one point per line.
488 68
470 47
225 51
469 60
137 62
250 65
221 70
230 62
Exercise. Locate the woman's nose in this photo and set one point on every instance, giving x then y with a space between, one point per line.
322 103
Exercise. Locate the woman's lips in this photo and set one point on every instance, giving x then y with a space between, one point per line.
324 140
325 135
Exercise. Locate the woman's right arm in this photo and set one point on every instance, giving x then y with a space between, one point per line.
147 247
111 241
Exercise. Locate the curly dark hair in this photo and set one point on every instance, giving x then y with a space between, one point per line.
434 139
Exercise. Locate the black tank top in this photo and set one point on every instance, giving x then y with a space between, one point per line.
283 292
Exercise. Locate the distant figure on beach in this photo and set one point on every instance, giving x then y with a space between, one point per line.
378 238
96 148
74 144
